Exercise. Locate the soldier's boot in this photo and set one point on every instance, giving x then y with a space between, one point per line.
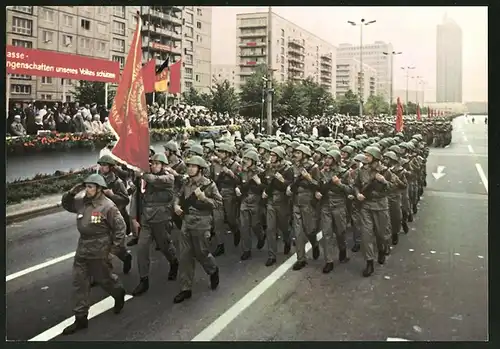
246 255
81 323
381 257
119 302
299 265
410 217
214 279
142 287
236 238
395 238
415 209
343 256
287 248
356 247
127 263
133 241
270 261
219 250
369 269
261 242
182 296
328 268
174 269
316 252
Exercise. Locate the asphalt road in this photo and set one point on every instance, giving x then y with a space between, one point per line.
433 286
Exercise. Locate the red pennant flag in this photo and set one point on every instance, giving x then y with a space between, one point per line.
399 116
128 115
418 112
149 76
175 78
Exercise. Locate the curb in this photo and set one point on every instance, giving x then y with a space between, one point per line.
32 213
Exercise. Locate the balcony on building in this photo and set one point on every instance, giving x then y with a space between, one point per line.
252 54
325 85
326 79
325 71
249 63
246 73
167 14
161 46
262 24
326 58
296 59
252 44
295 68
253 34
155 30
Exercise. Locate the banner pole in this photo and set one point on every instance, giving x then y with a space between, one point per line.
106 95
63 91
7 95
153 97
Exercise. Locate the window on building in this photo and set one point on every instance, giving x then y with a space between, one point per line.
24 9
85 24
48 36
47 14
46 80
101 28
20 89
118 27
22 43
46 97
101 46
85 43
282 59
188 73
66 82
68 98
189 45
199 38
188 59
68 20
22 26
101 10
67 40
197 77
199 12
120 60
119 11
118 45
198 25
282 77
189 32
283 32
20 77
188 84
189 18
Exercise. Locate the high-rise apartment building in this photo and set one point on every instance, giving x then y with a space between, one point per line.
296 53
106 32
348 78
449 62
221 72
373 55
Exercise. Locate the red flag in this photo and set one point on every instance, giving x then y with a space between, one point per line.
418 112
399 116
128 116
175 78
149 76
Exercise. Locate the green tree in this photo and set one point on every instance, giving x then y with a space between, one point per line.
293 100
349 104
319 98
192 97
224 98
251 93
88 92
376 105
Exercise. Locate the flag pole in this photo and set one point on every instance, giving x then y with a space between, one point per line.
105 95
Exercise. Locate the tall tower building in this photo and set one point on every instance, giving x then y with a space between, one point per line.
449 62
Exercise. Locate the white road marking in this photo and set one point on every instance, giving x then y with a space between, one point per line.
484 179
39 266
216 327
396 339
96 309
465 139
470 148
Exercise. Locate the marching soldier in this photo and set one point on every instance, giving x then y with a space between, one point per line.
156 211
102 231
195 203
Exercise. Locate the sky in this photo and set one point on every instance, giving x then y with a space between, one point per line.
411 30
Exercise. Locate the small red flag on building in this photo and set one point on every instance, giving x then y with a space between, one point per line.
128 115
418 112
399 116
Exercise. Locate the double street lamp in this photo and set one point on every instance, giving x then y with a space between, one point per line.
362 23
417 82
392 54
407 78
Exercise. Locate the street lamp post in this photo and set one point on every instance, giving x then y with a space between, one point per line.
407 78
361 80
392 54
417 81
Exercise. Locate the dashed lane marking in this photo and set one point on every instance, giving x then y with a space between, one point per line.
465 139
216 327
482 175
39 266
470 148
396 339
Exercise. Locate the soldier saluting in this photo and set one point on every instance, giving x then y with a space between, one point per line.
102 231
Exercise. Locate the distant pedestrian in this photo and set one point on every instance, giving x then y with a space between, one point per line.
486 120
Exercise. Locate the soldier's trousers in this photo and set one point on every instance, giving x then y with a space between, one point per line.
219 225
194 245
373 223
83 270
356 230
304 226
395 216
405 202
333 223
126 217
230 203
277 218
249 223
121 253
160 234
413 193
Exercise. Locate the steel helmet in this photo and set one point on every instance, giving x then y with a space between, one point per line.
106 160
360 158
160 158
279 151
395 148
172 146
197 160
391 155
347 149
225 148
335 154
265 145
196 149
96 179
304 149
321 150
373 151
252 155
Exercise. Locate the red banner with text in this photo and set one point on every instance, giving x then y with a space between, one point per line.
27 61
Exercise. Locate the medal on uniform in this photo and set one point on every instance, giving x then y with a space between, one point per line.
95 218
80 216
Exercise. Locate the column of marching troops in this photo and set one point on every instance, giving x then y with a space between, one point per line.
287 188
